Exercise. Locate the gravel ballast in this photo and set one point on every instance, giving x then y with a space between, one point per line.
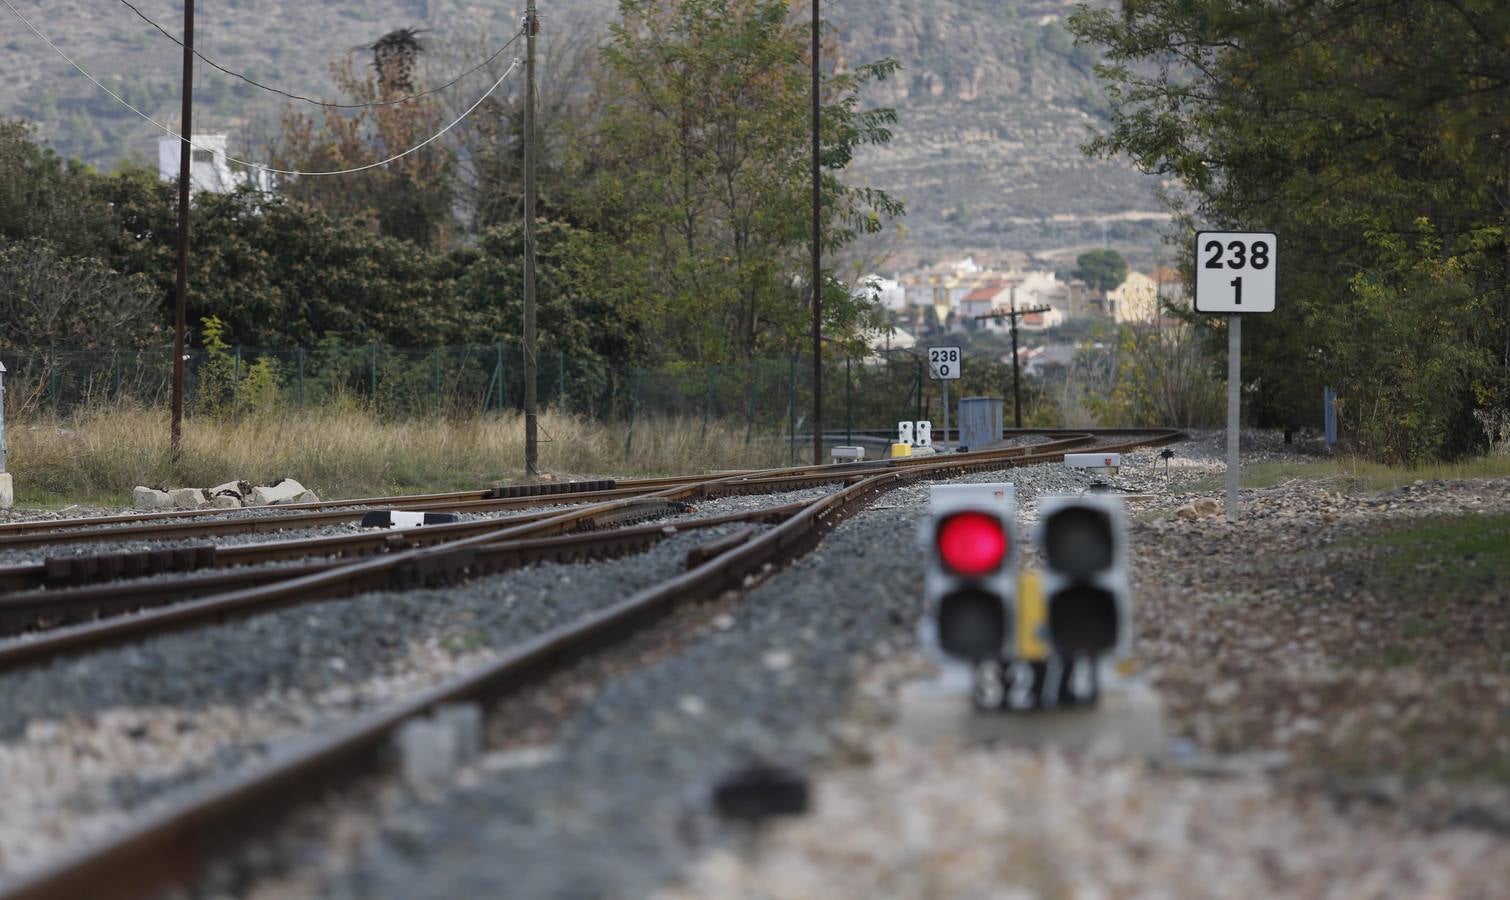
800 672
89 738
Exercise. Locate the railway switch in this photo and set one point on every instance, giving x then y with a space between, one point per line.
971 581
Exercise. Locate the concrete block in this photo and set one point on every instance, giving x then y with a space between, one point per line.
187 498
150 498
1128 720
465 722
239 489
7 491
847 454
225 501
285 491
427 753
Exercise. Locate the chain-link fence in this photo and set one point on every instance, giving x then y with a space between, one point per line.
765 397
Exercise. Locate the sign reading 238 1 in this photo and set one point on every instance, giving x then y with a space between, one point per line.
1234 271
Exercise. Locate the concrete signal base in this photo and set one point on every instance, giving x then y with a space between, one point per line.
1127 721
7 491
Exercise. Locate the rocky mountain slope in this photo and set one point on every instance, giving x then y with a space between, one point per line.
994 97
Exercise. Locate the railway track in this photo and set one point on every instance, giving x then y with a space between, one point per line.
170 845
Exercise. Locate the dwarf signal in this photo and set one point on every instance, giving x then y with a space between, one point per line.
1086 587
971 582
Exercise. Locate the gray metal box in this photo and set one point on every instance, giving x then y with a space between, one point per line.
979 421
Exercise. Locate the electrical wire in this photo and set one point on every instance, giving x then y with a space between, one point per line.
210 62
251 165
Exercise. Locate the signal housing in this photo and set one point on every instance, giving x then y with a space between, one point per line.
971 582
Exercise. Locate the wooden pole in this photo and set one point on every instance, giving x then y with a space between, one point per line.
817 255
531 445
185 165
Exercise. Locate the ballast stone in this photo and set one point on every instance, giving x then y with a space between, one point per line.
150 498
225 501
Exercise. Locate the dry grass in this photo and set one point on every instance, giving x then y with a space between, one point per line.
1352 475
96 457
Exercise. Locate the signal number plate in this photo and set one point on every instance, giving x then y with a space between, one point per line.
1023 686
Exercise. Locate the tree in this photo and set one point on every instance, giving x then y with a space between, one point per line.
1103 270
1370 137
409 198
696 163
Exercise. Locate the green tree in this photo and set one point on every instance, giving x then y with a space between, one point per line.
1103 270
409 198
697 166
1370 137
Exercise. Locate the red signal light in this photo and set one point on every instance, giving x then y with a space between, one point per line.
972 543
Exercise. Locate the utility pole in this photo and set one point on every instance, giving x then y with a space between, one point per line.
531 445
817 257
1012 315
185 165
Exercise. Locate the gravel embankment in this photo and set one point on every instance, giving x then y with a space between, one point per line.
87 740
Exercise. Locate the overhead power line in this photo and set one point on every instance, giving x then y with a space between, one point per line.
251 165
376 103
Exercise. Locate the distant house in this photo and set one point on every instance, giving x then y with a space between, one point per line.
888 292
1171 288
1136 299
985 299
209 168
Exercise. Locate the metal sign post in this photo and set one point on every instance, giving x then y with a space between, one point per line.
1234 401
945 439
944 364
1235 272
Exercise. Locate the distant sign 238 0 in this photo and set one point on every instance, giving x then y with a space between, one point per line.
943 363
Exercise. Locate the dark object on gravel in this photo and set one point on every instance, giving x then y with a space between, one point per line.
759 792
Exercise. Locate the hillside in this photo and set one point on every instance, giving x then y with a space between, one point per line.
994 97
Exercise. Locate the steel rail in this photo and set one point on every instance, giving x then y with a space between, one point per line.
28 576
23 612
404 568
185 523
401 501
172 844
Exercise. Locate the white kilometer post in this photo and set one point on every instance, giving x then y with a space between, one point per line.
944 364
1235 272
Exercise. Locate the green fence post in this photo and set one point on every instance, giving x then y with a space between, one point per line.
236 384
791 410
634 404
708 404
502 372
372 368
300 356
115 358
750 406
561 379
437 378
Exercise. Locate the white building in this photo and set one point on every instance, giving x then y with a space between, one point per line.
888 292
209 170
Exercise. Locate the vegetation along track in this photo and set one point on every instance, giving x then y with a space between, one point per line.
172 844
